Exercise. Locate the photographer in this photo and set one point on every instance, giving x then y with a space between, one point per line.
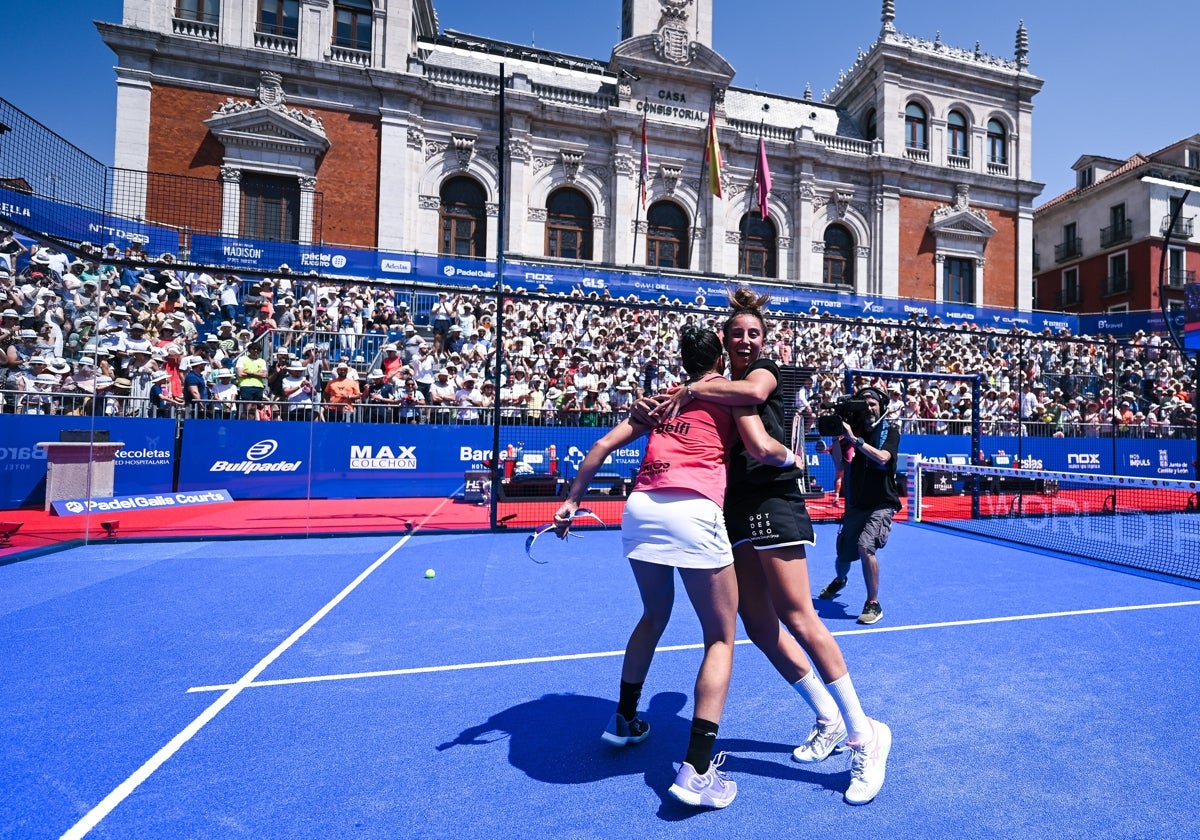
871 496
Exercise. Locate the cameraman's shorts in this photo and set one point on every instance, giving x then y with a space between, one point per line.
770 516
863 528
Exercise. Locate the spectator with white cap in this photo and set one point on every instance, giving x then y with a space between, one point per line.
297 391
224 393
162 401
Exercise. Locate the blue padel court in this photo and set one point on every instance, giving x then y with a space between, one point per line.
328 688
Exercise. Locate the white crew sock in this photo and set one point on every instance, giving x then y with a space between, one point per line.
858 725
817 696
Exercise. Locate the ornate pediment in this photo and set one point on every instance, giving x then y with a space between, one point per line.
960 221
669 54
247 129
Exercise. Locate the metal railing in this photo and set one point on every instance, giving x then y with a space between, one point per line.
1117 284
1177 279
1120 232
1183 229
1068 250
1068 297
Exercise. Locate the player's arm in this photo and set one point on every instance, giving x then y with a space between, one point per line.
615 438
760 445
753 390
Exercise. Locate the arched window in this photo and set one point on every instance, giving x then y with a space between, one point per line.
915 130
756 254
872 127
568 225
839 256
463 218
666 236
997 139
956 135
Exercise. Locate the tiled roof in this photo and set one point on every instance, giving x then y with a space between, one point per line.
1128 166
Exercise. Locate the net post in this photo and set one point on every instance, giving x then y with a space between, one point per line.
914 487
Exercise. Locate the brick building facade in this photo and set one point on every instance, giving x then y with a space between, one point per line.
363 123
1100 244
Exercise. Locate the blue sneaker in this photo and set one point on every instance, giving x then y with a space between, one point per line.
704 790
622 733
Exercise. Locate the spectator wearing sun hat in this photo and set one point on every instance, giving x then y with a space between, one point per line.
341 393
161 401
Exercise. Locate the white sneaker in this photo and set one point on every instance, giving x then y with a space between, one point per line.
868 766
821 741
704 790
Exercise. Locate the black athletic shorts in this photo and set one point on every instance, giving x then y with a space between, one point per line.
770 516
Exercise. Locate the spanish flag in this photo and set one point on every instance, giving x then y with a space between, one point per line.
712 157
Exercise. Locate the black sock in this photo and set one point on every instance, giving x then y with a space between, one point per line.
700 747
628 703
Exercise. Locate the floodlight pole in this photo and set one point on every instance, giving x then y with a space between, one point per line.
498 338
1163 259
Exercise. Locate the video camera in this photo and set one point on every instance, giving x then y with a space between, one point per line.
852 410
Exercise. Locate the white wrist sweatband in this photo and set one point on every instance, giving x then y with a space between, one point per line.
789 460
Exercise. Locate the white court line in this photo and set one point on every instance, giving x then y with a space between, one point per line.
93 817
466 666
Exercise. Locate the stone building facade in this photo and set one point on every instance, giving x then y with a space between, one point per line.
1100 244
909 179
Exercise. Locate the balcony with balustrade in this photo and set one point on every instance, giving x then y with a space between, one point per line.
1068 250
1113 234
1183 228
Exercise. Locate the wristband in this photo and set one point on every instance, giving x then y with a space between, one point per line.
789 460
687 386
859 443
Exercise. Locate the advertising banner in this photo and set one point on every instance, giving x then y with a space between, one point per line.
157 501
144 465
67 221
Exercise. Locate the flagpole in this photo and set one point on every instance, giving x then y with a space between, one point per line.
710 130
637 219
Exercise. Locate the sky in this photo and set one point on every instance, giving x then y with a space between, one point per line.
1118 76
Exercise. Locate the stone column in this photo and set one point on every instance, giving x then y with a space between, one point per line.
231 201
308 186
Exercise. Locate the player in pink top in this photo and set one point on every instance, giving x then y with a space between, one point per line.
672 520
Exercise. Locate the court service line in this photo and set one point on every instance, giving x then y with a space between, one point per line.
93 817
533 660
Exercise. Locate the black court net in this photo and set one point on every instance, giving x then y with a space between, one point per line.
1142 523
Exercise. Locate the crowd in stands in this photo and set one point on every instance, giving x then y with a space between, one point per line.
87 335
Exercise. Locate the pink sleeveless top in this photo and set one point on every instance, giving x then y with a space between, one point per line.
690 452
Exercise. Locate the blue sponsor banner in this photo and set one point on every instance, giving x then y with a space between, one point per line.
158 501
68 221
1127 323
251 458
257 460
144 465
280 460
